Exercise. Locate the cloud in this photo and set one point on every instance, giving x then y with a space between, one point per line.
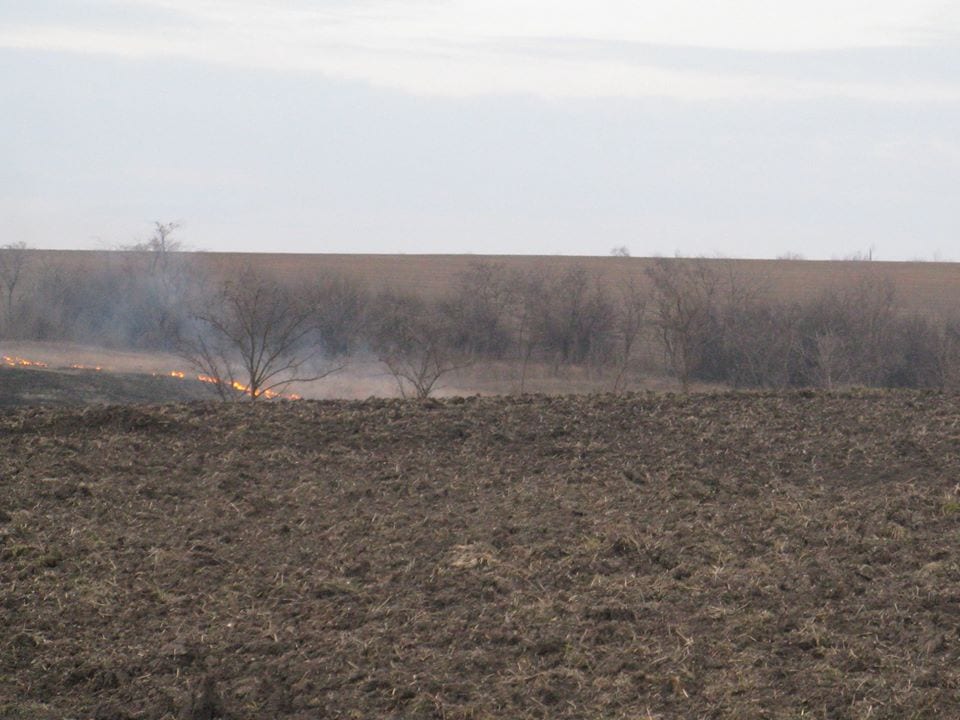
683 49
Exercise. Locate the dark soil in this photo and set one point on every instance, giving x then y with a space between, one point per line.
717 556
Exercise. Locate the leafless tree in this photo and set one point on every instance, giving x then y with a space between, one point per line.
761 340
872 309
572 318
830 360
14 258
947 354
751 337
629 323
478 310
684 299
853 327
340 313
528 296
412 339
253 338
160 245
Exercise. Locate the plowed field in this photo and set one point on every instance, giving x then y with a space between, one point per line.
714 556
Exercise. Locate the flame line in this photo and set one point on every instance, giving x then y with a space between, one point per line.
238 386
15 361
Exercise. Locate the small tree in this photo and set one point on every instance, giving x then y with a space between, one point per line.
830 360
527 296
413 341
850 327
340 306
572 318
14 258
684 303
160 245
253 338
478 310
629 321
761 342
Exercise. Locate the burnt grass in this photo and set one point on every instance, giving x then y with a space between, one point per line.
714 556
65 387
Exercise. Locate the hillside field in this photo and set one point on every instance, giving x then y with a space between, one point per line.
734 555
926 286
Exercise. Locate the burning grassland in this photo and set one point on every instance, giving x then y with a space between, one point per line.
70 367
66 381
233 385
723 556
14 361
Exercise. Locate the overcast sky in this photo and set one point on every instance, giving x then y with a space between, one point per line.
749 128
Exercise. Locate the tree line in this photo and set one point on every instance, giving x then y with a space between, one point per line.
697 321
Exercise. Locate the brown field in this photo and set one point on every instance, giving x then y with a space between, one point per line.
926 286
655 556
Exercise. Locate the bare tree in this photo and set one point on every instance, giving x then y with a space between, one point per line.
14 258
478 310
163 278
947 333
761 342
629 322
413 341
160 245
573 318
830 360
751 338
527 297
684 300
853 326
872 309
340 306
253 338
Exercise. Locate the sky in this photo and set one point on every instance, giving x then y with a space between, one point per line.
741 128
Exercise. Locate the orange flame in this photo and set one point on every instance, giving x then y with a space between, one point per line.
239 387
14 361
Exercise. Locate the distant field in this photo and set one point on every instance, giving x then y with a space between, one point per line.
927 286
